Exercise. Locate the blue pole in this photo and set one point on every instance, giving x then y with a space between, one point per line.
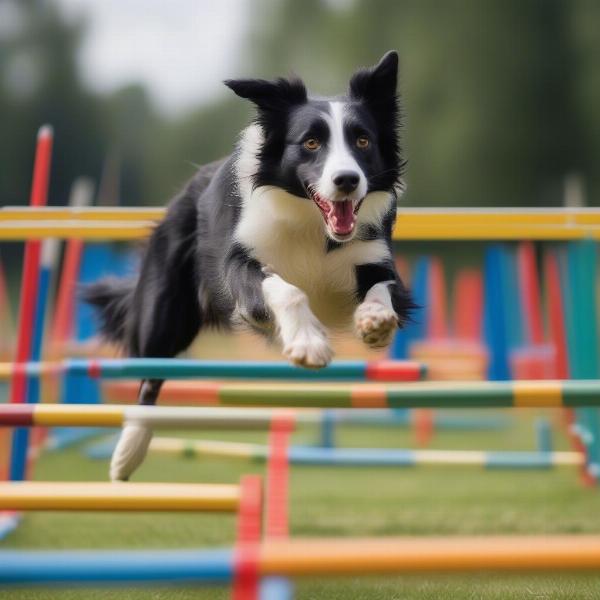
109 566
276 588
20 438
494 315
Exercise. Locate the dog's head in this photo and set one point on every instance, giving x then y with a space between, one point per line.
333 151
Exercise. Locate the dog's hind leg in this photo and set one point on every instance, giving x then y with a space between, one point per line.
167 328
135 438
165 317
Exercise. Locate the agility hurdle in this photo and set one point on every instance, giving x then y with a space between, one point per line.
155 417
95 496
309 557
524 394
173 368
411 224
355 457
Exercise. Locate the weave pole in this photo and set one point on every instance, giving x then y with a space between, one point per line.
62 326
245 562
28 299
276 520
49 259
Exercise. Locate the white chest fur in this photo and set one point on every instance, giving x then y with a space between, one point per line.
287 234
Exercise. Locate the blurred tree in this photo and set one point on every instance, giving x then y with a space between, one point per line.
487 86
39 83
501 97
585 38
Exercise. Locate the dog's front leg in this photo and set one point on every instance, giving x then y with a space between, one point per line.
266 301
304 338
384 306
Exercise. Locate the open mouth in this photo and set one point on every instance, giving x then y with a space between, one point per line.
339 215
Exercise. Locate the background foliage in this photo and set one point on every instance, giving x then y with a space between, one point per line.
501 97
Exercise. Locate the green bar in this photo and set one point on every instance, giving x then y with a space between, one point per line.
577 394
311 398
484 397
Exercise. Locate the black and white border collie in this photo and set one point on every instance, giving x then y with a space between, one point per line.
288 235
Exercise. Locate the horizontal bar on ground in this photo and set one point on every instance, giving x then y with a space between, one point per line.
97 496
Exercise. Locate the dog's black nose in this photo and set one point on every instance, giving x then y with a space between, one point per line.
346 181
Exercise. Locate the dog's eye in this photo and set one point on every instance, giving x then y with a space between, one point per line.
312 144
362 142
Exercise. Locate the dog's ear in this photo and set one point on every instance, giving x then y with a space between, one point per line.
376 84
275 95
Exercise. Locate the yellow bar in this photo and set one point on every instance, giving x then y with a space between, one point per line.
406 216
465 217
78 415
493 231
202 448
412 224
537 393
95 496
84 230
411 555
88 213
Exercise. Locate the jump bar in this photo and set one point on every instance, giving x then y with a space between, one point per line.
357 457
531 394
95 496
310 557
156 417
140 368
17 223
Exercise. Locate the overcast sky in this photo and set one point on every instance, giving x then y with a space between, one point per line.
181 49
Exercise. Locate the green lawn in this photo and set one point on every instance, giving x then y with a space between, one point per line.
342 502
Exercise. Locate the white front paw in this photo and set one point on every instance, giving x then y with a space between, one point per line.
309 348
375 324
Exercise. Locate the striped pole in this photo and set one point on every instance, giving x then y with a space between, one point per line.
94 496
353 557
357 457
81 195
29 298
524 394
173 368
49 258
6 325
154 417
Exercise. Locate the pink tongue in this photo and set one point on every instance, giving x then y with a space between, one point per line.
342 217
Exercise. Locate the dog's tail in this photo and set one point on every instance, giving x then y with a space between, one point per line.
113 299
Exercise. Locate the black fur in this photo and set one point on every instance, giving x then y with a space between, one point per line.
195 274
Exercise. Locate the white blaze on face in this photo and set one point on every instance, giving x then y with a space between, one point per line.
337 206
339 158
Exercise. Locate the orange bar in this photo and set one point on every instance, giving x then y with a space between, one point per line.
412 555
368 397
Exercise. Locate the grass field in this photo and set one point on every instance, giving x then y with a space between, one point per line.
342 502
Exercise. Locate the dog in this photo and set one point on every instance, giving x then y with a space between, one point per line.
289 235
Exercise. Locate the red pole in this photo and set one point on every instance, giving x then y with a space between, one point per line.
276 519
437 326
468 305
530 293
31 265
